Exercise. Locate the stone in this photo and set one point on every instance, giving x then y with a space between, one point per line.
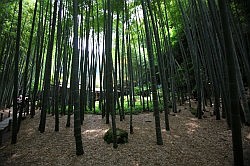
122 136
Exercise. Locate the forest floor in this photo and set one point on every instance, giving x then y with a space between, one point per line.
190 142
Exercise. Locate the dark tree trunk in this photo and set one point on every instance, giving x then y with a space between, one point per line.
75 83
47 73
153 77
234 97
15 91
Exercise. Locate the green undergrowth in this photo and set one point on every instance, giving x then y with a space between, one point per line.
137 108
193 110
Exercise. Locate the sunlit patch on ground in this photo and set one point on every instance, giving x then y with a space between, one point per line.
94 133
137 128
248 136
30 132
193 119
187 140
192 126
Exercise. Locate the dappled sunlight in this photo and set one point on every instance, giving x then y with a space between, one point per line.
192 126
193 119
248 136
94 133
30 132
176 136
137 128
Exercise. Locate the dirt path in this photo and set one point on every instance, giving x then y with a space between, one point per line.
190 142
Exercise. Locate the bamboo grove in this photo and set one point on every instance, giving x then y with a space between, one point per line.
116 57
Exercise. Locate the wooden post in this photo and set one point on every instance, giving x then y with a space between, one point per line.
1 117
1 134
9 125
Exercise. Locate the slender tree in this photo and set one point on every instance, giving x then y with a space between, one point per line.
15 91
25 79
58 66
153 76
40 42
47 72
234 97
109 69
75 83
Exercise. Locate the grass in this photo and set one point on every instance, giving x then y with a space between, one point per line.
136 109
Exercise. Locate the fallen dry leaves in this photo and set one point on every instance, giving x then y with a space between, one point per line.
190 142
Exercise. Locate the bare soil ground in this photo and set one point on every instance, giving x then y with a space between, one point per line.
191 142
